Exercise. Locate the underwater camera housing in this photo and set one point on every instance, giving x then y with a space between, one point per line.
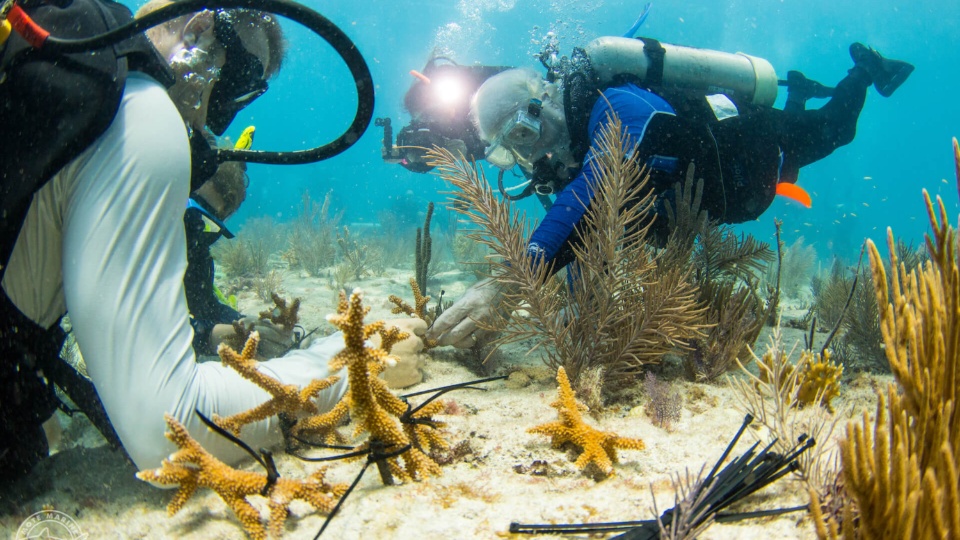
439 105
412 144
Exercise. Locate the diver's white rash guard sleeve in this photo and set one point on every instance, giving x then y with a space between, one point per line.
120 205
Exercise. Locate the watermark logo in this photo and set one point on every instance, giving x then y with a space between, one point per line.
50 525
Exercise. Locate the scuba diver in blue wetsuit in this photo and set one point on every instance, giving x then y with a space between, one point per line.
681 106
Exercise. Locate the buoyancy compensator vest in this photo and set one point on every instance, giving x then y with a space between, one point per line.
684 77
52 107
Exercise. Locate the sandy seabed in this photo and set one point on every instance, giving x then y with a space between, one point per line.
507 475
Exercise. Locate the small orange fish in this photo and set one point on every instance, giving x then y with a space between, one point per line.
794 192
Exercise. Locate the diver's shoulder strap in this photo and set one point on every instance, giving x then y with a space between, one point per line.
54 107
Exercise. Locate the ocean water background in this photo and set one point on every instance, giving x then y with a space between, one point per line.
902 143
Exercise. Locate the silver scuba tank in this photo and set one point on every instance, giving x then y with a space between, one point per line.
714 72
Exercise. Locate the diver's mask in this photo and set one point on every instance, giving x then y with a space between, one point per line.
520 132
196 68
241 77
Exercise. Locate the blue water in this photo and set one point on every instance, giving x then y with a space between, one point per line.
902 144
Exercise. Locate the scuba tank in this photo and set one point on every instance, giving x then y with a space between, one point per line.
738 75
670 69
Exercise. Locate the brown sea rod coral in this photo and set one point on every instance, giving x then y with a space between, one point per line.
630 309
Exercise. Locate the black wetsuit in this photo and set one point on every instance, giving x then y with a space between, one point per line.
741 158
206 309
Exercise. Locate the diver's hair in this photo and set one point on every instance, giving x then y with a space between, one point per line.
276 44
267 22
503 94
230 182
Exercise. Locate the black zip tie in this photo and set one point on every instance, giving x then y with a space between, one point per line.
264 457
332 458
739 516
322 445
746 422
371 458
444 389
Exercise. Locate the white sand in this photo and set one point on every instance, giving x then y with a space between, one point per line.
476 497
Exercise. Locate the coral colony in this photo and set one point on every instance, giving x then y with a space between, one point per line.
596 447
389 421
192 467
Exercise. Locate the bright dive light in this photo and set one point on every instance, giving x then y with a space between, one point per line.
448 90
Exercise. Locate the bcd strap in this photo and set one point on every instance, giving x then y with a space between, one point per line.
655 54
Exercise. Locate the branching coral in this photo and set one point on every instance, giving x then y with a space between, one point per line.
596 447
772 398
630 309
418 310
901 469
423 251
356 256
191 467
287 398
282 314
819 379
376 410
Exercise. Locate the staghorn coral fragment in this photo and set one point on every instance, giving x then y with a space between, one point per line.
597 447
282 314
191 467
287 398
420 303
376 410
419 310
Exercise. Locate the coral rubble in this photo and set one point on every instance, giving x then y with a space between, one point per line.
597 447
287 398
192 467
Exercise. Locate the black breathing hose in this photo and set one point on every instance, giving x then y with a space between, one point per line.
309 18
